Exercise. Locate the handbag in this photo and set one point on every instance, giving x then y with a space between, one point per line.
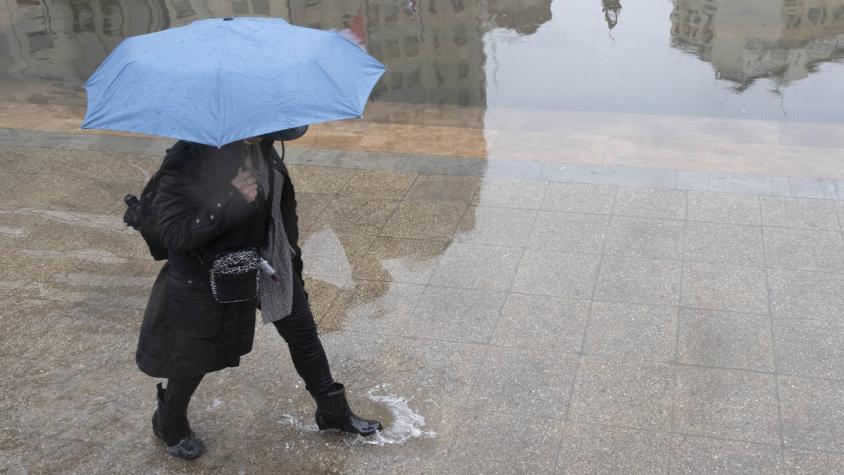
235 276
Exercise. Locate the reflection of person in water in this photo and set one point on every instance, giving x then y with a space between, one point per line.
612 9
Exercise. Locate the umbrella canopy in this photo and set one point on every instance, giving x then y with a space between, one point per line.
220 80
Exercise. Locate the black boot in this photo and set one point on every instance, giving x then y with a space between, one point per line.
170 424
333 412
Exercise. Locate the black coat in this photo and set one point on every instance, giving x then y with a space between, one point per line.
185 332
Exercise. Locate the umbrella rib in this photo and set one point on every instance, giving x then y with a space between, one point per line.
220 107
337 85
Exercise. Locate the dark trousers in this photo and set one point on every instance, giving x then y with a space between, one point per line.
300 332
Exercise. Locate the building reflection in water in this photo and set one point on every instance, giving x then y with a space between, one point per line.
434 48
745 40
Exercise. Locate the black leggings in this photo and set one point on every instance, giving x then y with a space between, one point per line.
300 332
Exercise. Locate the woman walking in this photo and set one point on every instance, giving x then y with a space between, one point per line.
227 218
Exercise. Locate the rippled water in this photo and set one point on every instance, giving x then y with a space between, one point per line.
768 59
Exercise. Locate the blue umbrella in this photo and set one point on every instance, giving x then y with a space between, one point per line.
220 80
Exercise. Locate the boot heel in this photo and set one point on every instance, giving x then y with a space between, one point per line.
320 423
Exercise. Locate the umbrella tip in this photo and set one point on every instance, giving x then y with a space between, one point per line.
228 18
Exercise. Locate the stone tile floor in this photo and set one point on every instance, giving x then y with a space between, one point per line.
537 326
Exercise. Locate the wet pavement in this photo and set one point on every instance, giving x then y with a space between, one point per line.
568 237
610 320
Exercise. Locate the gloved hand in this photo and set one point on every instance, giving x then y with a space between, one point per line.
289 134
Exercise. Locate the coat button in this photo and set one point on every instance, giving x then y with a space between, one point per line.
219 205
197 220
212 216
190 282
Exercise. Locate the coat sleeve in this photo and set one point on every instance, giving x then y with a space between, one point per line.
185 222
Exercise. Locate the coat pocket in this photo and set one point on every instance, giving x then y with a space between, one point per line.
191 309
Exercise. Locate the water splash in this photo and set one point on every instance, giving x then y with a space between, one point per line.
297 424
407 424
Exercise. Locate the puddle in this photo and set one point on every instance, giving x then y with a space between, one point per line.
715 58
326 259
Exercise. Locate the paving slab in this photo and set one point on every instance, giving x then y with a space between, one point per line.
623 393
724 208
645 237
379 184
355 215
806 295
541 322
801 249
651 203
724 243
455 314
589 448
807 462
496 226
579 198
810 348
583 232
633 332
477 266
424 220
556 273
522 381
443 188
372 307
800 213
725 339
529 446
725 287
812 413
655 282
726 404
705 455
494 192
399 260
